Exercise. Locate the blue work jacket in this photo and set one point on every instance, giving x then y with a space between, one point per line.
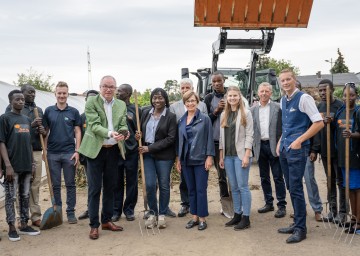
202 144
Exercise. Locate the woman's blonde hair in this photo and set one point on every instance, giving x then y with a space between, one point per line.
240 106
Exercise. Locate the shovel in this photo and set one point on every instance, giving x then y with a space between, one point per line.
227 204
53 215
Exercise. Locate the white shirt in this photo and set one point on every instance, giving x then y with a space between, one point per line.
264 118
306 105
108 111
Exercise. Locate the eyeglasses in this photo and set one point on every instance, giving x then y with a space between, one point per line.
190 101
107 87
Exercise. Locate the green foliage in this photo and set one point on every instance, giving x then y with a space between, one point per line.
143 98
173 90
38 80
266 62
339 65
171 87
338 93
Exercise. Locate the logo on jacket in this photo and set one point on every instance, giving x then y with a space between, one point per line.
292 109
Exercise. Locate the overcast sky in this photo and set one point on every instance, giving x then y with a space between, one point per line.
146 42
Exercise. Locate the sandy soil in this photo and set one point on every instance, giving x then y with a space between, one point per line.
261 239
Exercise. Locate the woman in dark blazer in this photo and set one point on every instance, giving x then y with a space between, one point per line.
158 126
195 151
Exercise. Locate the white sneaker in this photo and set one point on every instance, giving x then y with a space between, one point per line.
150 222
161 221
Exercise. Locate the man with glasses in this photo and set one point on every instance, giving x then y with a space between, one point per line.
103 142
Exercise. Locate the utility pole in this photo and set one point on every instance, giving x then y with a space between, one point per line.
90 87
331 63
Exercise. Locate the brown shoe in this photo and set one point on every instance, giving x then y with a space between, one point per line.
111 226
94 233
36 223
292 214
318 216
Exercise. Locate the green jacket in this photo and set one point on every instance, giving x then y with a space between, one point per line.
97 124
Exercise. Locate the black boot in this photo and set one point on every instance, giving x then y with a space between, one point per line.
235 220
244 223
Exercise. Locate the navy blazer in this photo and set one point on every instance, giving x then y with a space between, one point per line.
203 141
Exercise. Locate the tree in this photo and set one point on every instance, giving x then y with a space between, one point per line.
172 88
38 80
266 62
143 98
338 93
339 65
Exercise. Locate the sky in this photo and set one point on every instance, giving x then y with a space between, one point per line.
146 42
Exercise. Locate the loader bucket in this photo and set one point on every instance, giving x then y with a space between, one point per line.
252 14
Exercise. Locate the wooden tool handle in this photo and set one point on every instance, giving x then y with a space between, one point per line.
347 146
36 112
328 144
140 155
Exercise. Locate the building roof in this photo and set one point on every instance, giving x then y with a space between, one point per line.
339 79
43 99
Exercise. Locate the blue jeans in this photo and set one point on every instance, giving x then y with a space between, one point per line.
293 165
197 180
129 169
267 160
238 178
312 187
157 171
101 174
56 163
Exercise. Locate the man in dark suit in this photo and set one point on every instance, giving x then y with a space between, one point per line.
102 145
128 166
267 131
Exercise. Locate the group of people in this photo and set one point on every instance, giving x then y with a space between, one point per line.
221 132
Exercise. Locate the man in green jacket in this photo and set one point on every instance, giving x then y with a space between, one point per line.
102 144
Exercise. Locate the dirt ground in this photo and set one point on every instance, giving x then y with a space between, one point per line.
261 239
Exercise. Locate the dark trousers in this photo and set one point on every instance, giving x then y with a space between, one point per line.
58 163
129 169
267 160
184 194
336 180
100 173
197 180
19 186
224 192
293 165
